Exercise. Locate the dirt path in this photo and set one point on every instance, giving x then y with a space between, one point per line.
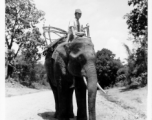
40 106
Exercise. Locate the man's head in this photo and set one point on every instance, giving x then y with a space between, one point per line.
78 13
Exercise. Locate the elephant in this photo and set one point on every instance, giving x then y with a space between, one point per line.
65 69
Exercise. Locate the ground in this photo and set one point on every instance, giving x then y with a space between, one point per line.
13 88
120 104
134 100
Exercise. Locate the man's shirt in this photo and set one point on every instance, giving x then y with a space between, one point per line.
75 24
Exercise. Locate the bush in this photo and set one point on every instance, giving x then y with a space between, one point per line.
121 77
121 83
107 67
141 80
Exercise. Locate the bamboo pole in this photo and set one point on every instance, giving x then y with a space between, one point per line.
49 33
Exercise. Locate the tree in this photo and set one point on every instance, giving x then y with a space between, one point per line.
130 64
137 20
141 61
30 51
9 63
20 16
122 73
40 73
137 24
22 69
28 59
107 67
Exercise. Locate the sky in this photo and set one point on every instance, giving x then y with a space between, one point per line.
108 28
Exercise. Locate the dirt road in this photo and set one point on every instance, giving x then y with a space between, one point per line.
40 106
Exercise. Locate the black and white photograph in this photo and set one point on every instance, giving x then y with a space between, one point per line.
76 60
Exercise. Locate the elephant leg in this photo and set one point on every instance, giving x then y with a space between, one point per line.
64 90
63 98
50 79
55 93
66 104
70 103
80 90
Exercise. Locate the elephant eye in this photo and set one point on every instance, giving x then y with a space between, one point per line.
81 59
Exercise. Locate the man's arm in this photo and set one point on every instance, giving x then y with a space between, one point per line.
73 31
80 34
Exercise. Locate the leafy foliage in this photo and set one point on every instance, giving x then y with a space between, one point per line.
40 73
9 63
137 24
21 16
31 48
21 70
27 74
30 51
141 80
122 73
137 18
107 67
130 64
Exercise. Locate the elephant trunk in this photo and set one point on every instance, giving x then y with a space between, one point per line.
92 89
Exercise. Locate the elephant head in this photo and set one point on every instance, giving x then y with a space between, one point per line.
81 62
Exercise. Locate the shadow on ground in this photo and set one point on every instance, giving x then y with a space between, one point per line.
131 87
47 115
50 116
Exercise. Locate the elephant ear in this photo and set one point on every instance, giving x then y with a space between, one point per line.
75 50
63 50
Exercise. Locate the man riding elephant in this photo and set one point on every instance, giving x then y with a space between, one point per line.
72 61
65 72
75 28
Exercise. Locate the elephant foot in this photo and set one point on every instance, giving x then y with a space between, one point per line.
64 118
81 119
71 115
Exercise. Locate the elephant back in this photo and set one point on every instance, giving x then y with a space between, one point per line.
61 50
51 48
